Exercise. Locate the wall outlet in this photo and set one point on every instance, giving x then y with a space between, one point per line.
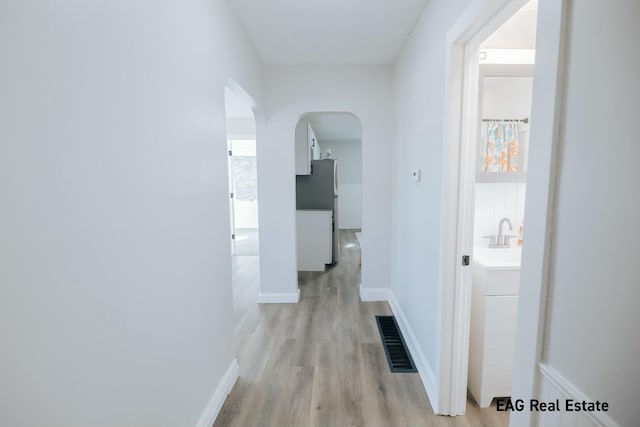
417 175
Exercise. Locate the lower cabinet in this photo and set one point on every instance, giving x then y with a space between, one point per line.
492 340
314 234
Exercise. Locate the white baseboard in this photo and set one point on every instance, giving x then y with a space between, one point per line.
424 368
279 298
555 386
374 294
220 395
350 226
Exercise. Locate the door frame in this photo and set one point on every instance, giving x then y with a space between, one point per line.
232 195
479 20
259 121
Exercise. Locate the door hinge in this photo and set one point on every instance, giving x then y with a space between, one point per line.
231 195
465 260
233 237
230 153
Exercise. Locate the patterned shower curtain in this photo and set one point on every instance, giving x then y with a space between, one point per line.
501 148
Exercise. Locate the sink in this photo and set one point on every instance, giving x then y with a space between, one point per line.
498 259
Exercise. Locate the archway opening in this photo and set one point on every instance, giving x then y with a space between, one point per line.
328 188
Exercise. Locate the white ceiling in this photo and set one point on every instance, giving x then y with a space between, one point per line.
334 126
289 32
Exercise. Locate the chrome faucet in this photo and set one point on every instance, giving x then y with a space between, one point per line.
501 240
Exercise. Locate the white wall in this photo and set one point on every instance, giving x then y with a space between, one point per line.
241 127
508 98
292 91
592 316
116 305
246 214
493 202
592 313
502 98
349 156
419 143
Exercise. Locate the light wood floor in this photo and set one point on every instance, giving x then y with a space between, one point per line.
320 363
246 285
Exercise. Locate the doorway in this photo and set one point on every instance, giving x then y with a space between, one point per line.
328 153
243 192
243 209
505 84
492 55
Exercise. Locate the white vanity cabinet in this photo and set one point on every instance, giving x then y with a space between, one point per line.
494 313
306 146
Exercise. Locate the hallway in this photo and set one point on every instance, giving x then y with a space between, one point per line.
320 363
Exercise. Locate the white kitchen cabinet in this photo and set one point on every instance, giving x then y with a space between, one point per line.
306 147
314 234
492 343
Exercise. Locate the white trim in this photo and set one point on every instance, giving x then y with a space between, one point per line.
350 226
479 20
425 370
279 298
572 392
337 138
464 233
374 294
508 56
225 385
547 112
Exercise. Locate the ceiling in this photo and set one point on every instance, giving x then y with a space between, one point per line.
333 126
291 32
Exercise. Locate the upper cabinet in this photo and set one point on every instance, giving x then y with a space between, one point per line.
307 148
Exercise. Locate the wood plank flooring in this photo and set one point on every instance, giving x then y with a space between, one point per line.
320 363
246 285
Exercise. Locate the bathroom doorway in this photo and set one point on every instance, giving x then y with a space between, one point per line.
505 85
489 148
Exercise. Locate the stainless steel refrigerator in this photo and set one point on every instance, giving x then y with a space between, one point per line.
320 191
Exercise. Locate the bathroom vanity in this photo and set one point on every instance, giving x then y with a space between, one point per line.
494 312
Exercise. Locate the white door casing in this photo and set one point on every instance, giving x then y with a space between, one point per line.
481 18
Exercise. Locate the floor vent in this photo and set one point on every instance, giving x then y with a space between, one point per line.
394 346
